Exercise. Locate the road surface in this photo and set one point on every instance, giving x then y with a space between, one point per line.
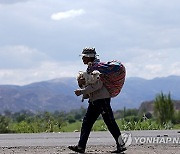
140 142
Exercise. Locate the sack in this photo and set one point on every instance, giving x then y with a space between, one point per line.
112 75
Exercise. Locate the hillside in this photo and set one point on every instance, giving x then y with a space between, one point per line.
58 94
47 95
138 90
149 106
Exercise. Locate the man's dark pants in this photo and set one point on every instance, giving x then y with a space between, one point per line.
101 106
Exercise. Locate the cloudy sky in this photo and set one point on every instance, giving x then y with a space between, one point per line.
42 39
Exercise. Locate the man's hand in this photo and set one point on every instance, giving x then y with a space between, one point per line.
78 92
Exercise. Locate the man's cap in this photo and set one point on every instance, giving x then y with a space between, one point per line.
89 52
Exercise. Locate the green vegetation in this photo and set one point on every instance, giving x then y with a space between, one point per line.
165 117
164 108
4 123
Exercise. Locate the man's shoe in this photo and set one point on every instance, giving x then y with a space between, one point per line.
120 149
77 148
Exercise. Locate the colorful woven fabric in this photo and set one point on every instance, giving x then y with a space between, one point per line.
112 74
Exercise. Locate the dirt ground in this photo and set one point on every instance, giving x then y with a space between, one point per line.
99 142
133 149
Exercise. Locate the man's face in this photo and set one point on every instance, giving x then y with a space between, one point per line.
86 60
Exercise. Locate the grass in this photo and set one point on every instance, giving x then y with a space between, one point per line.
72 127
76 126
123 125
177 126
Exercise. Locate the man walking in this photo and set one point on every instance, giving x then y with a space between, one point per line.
99 103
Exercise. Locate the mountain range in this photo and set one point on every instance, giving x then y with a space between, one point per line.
58 94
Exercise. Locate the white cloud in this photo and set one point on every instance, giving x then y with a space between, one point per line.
45 71
149 64
147 43
22 65
19 56
146 70
11 1
175 68
67 14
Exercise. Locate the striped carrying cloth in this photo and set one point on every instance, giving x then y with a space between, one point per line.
112 75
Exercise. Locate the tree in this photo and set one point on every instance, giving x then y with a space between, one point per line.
163 108
49 120
4 123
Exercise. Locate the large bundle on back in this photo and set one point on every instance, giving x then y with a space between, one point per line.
112 74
